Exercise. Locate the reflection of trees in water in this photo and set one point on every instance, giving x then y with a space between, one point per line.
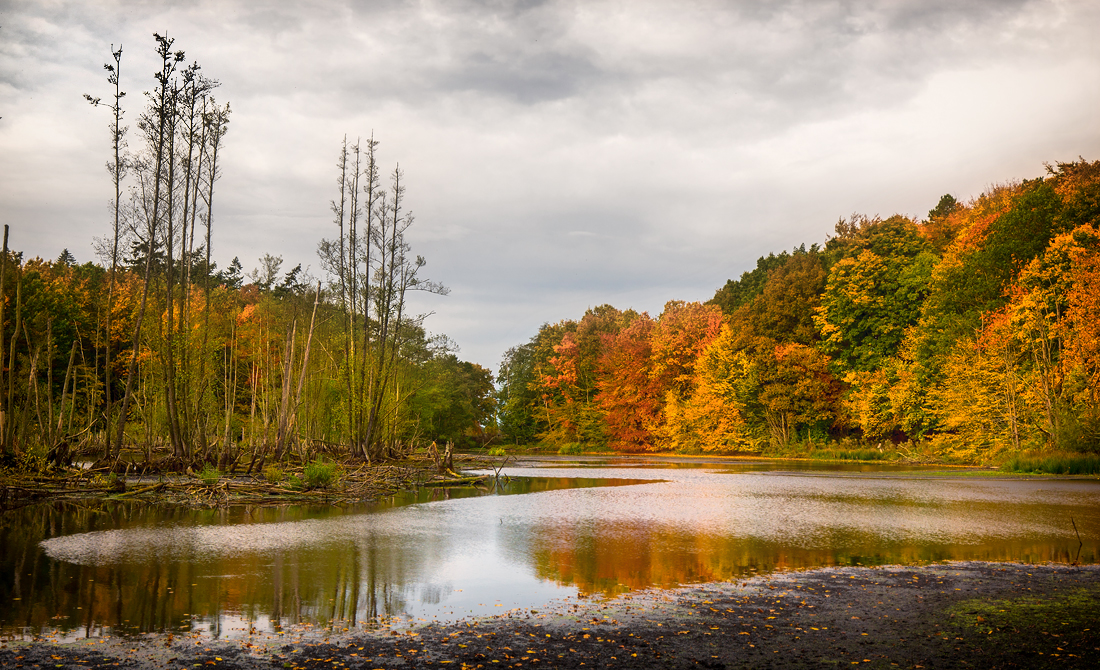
614 559
327 585
380 573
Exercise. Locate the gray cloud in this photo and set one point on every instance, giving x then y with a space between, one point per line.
562 154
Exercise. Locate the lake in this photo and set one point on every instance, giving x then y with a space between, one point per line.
555 529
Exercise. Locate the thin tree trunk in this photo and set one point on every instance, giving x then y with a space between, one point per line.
305 359
164 48
64 389
284 403
5 446
10 423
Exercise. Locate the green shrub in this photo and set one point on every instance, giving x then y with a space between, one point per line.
209 475
571 448
498 451
273 475
1057 463
319 475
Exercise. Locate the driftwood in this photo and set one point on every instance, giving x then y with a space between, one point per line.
455 481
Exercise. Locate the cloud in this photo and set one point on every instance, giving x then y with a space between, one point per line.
559 154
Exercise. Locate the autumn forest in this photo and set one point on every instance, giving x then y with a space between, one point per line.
967 336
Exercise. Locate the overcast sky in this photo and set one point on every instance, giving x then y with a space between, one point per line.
559 155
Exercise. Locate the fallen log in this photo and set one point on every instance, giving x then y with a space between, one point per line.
135 492
460 481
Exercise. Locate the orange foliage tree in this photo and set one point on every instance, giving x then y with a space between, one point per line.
629 397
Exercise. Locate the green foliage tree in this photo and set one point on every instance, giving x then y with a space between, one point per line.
518 398
874 291
784 309
455 402
736 293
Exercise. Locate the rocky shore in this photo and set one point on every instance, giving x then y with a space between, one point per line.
987 615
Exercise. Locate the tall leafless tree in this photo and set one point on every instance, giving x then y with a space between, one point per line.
117 167
155 125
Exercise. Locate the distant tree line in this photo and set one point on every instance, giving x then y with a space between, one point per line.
972 333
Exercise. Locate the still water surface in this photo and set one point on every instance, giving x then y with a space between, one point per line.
558 529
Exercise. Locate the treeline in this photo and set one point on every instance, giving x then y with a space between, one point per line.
970 334
160 350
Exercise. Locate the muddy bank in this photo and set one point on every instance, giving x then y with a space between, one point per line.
987 615
351 484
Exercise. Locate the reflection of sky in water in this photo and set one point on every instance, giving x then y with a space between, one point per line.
484 555
800 510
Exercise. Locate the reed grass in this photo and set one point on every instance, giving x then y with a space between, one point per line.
1054 463
850 455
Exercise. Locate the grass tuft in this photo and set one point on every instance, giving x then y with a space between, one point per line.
319 475
209 475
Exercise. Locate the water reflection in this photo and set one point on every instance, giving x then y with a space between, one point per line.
447 553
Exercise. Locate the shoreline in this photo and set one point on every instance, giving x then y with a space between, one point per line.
957 614
365 483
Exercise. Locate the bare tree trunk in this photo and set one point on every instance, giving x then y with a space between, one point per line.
168 65
342 270
64 390
213 130
284 403
118 171
5 446
9 424
305 359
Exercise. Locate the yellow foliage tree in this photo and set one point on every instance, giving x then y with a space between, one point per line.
980 399
712 417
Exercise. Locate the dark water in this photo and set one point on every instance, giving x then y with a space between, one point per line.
558 530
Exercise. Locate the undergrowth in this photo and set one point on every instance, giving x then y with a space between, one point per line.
851 455
1055 463
319 475
209 475
273 475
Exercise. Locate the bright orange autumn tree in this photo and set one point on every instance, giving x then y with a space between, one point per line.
570 378
629 397
647 371
1079 186
998 340
1037 314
